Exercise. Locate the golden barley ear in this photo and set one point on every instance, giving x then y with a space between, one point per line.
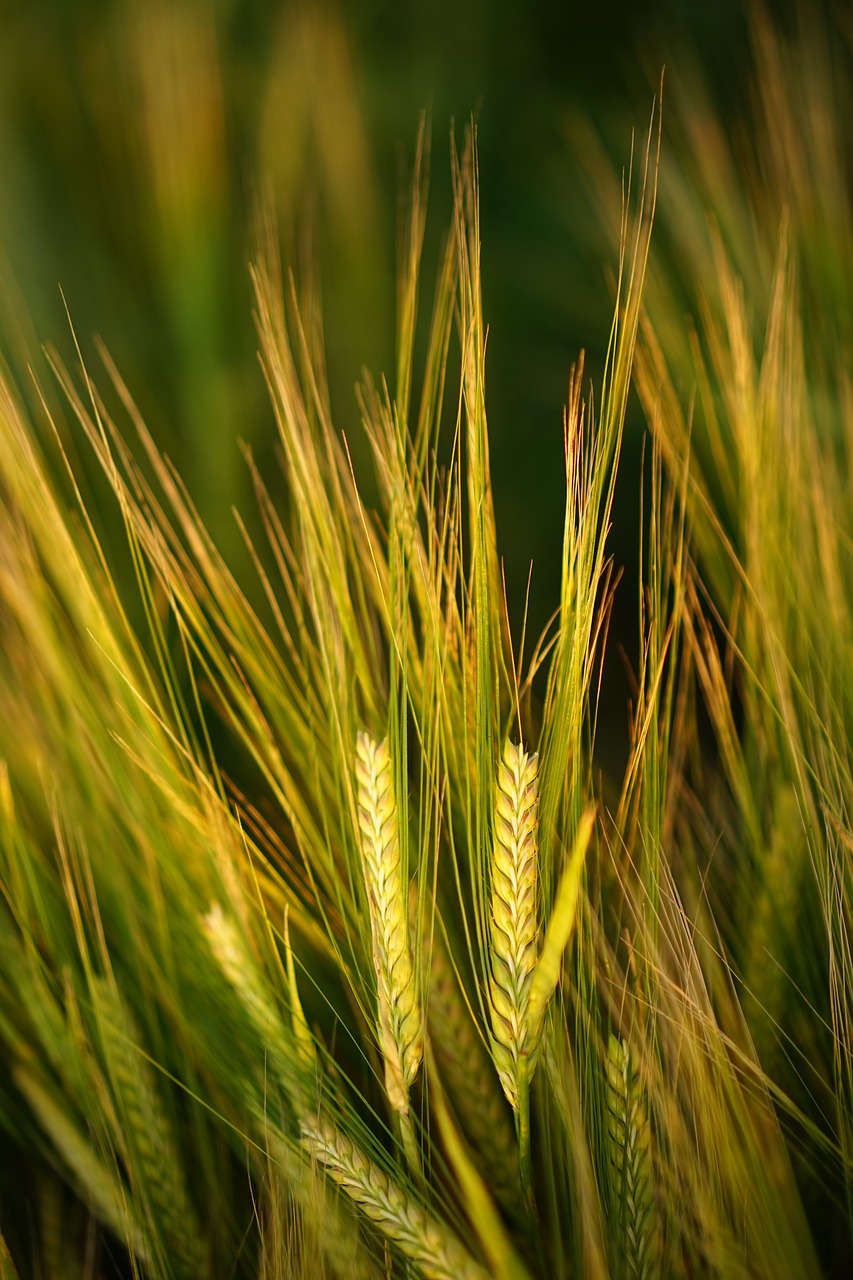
514 929
629 1144
432 1246
399 1015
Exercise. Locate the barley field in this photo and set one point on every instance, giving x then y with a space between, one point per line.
369 909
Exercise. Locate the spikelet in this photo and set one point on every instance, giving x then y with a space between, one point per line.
629 1143
514 929
399 1015
152 1155
433 1248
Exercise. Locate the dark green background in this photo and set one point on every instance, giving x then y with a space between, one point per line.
167 286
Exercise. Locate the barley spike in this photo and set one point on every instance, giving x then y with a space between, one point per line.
514 931
399 1015
629 1141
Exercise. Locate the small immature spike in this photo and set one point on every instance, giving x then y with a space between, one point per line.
399 1014
514 931
629 1142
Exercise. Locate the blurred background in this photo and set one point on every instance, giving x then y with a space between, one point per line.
135 137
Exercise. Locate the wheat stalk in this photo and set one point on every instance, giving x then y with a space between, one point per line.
399 1015
422 1238
514 932
629 1142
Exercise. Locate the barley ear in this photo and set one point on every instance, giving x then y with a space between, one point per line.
153 1156
238 965
629 1143
399 1015
330 1221
514 931
467 1074
432 1246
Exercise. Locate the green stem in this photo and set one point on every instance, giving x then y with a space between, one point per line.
522 1125
410 1148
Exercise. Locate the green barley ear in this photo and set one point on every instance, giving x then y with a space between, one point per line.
629 1144
399 1020
54 1243
434 1249
99 1185
467 1074
152 1152
238 965
514 930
